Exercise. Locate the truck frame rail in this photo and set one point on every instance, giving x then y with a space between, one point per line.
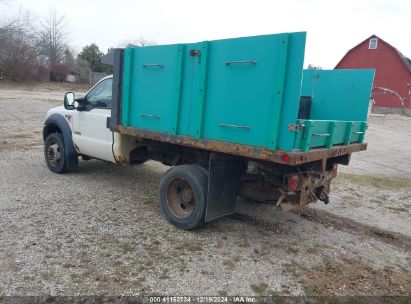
277 156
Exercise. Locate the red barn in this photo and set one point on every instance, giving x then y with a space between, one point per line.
392 82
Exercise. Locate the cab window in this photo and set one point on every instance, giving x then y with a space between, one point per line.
101 95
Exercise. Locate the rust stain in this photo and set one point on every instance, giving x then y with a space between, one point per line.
121 159
295 158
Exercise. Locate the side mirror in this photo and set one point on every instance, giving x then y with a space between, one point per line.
69 99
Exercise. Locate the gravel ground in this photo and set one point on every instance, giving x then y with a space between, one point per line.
99 231
375 188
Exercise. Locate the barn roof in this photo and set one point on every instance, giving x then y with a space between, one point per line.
404 59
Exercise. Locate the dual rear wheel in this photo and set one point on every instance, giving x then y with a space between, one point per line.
183 196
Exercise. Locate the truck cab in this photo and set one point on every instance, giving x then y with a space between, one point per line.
81 124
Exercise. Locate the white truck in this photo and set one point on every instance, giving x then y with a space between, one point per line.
156 106
83 131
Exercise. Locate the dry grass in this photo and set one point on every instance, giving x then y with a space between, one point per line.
398 209
259 288
44 86
346 224
293 268
382 182
384 234
352 277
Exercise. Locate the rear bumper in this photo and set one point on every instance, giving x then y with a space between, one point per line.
313 187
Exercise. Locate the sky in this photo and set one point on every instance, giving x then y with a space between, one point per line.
333 27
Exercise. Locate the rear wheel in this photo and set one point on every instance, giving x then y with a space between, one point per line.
54 153
183 196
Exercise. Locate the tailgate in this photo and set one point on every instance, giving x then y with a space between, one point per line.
337 111
322 133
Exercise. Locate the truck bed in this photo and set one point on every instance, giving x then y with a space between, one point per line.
240 96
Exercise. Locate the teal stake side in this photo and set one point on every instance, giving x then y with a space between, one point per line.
244 91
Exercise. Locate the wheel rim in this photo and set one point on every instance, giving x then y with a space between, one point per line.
180 198
53 153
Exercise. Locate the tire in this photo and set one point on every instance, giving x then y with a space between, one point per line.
183 196
54 153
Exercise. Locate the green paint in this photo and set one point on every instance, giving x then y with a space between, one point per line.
338 94
242 90
278 93
324 133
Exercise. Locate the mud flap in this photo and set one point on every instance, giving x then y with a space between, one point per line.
223 182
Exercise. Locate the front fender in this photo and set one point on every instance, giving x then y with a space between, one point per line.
56 123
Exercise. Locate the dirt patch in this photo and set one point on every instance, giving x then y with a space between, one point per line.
353 277
43 86
389 143
378 200
382 182
259 288
337 222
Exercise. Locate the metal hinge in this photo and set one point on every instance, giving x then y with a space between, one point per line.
295 127
196 53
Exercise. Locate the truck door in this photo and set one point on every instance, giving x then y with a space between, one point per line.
90 133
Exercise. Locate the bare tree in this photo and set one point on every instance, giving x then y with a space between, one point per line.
31 49
52 41
137 42
314 67
21 24
18 55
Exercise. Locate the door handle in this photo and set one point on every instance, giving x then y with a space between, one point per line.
247 128
147 65
149 115
253 62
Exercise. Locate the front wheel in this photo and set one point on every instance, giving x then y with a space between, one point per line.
54 153
183 196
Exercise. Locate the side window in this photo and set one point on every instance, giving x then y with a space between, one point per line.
101 95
